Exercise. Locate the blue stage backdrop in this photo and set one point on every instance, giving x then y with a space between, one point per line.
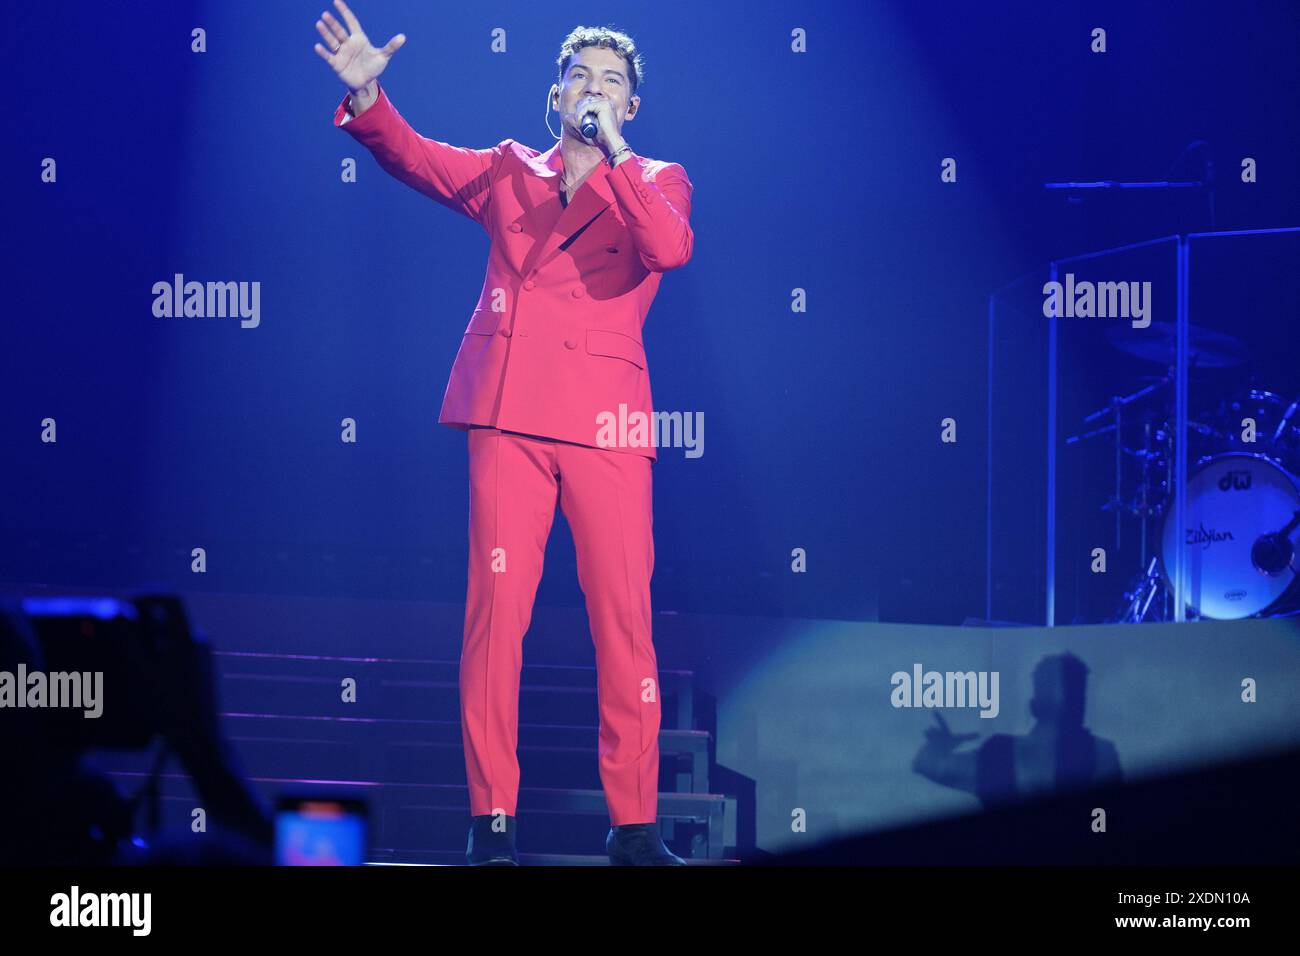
131 159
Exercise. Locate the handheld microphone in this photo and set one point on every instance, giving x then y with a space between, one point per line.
589 126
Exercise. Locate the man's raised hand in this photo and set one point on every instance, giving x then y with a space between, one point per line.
351 54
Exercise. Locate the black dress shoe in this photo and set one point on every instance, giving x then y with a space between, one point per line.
639 844
488 847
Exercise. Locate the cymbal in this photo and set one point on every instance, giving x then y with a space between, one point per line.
1158 342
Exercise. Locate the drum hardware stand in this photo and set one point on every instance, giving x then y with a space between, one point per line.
1117 412
1145 511
1148 583
1141 595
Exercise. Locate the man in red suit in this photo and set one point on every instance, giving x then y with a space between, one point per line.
552 356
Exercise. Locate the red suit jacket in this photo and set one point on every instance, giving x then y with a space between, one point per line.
555 339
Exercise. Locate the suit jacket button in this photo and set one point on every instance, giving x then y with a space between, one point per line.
515 227
570 344
529 284
505 332
579 292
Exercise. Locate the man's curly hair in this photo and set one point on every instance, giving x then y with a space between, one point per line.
609 38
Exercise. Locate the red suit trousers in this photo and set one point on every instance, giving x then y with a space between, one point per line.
515 483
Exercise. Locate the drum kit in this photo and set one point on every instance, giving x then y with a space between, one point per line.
1241 539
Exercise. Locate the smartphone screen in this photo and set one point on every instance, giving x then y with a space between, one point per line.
320 832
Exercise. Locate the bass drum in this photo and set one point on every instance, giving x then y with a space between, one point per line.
1233 499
